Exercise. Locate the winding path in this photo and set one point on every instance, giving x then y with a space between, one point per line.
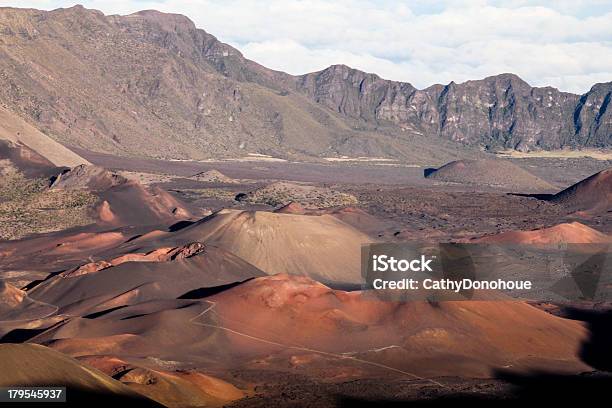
308 349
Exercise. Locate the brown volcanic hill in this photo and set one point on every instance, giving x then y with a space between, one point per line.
27 205
123 201
157 255
77 197
32 364
494 173
291 208
58 250
436 338
571 233
16 305
319 246
178 388
165 273
87 177
285 322
592 194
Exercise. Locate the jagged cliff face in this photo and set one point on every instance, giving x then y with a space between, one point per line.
504 110
499 111
151 84
593 116
357 94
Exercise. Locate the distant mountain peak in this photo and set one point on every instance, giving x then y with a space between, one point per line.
167 21
152 84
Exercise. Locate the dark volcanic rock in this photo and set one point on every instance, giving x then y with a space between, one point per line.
593 194
498 111
593 116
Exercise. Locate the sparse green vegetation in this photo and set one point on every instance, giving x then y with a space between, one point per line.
281 193
210 193
28 206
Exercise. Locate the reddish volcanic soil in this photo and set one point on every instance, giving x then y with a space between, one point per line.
291 208
123 201
593 194
29 364
170 388
463 338
206 312
572 233
158 255
285 322
101 285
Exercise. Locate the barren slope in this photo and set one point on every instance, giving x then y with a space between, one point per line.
319 246
151 84
571 233
286 322
16 130
495 173
32 364
593 194
136 278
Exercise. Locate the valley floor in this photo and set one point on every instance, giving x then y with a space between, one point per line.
184 290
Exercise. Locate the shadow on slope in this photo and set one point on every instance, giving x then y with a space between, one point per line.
536 388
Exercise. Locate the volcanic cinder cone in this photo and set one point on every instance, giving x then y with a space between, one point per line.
171 388
291 208
494 173
568 233
123 201
593 194
319 246
214 176
294 321
166 273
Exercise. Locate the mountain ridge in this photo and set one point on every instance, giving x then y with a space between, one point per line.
152 84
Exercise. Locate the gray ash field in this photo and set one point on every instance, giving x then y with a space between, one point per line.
414 205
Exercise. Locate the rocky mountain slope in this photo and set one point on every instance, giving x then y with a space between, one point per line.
15 131
498 111
152 84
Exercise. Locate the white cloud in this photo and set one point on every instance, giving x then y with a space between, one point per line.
567 44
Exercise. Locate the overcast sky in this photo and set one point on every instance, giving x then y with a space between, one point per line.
564 43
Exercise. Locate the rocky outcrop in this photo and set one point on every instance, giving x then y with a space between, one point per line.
593 116
90 177
165 254
498 111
